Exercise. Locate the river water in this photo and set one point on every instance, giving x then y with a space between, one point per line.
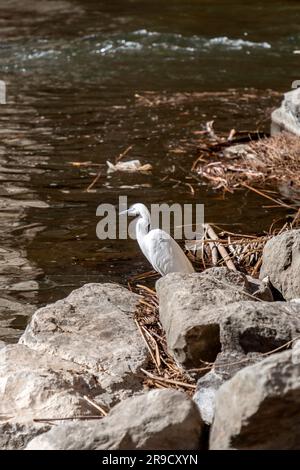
86 80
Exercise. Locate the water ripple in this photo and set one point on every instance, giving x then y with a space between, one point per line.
147 41
142 42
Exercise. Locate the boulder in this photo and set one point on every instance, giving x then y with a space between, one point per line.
159 419
94 328
258 327
259 408
193 309
87 344
281 262
287 117
248 330
35 386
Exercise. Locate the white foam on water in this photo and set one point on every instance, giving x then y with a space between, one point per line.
144 40
237 43
137 42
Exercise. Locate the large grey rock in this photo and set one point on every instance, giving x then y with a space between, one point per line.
159 419
192 308
281 262
33 386
238 151
258 327
247 331
287 117
94 327
259 408
87 344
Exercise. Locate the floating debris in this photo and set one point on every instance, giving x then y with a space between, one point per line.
130 166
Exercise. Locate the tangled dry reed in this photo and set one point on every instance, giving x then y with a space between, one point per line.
162 372
265 161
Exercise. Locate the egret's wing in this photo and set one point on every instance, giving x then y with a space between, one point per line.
165 254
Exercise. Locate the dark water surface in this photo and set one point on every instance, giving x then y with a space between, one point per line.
77 72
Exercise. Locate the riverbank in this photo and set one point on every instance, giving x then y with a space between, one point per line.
165 367
93 353
209 343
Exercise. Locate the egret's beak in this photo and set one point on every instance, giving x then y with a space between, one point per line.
129 211
124 212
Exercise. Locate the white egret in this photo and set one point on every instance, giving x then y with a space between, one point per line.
160 249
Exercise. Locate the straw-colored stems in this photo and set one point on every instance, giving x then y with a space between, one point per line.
222 250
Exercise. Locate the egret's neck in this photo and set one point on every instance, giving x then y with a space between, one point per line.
142 227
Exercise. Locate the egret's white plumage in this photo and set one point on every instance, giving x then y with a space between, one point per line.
160 249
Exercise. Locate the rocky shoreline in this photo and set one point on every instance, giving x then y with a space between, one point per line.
76 378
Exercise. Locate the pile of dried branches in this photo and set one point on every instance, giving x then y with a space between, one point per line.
273 160
240 252
162 372
237 252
